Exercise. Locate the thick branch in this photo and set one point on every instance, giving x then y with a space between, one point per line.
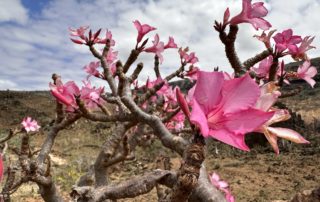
175 143
131 59
128 189
189 171
257 58
106 71
229 42
273 69
205 191
156 66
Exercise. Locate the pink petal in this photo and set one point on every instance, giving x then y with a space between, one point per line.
295 39
246 121
288 134
182 103
266 101
279 115
236 96
287 34
226 16
272 139
235 140
258 10
223 184
199 118
312 71
208 87
310 81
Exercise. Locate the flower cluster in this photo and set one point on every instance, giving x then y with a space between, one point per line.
30 125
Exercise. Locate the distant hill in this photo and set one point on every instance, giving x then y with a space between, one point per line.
186 84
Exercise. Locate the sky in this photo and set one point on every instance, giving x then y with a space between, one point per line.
34 38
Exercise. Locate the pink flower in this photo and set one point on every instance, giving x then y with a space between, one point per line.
269 95
170 96
265 38
111 56
192 73
264 67
66 93
157 48
222 186
91 69
171 43
300 52
187 58
79 32
163 89
252 13
142 29
223 109
286 40
88 40
215 180
30 125
108 36
177 122
307 72
91 96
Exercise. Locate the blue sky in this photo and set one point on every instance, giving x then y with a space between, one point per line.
34 40
34 6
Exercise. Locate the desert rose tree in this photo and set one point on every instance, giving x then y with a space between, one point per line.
221 106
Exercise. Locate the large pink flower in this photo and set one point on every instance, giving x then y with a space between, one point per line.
65 93
30 125
307 72
286 39
269 95
252 13
142 29
223 109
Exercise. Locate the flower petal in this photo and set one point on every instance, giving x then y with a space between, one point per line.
199 118
208 87
235 140
272 139
246 121
288 134
236 96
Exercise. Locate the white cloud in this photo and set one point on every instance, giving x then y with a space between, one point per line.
40 46
13 10
7 84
